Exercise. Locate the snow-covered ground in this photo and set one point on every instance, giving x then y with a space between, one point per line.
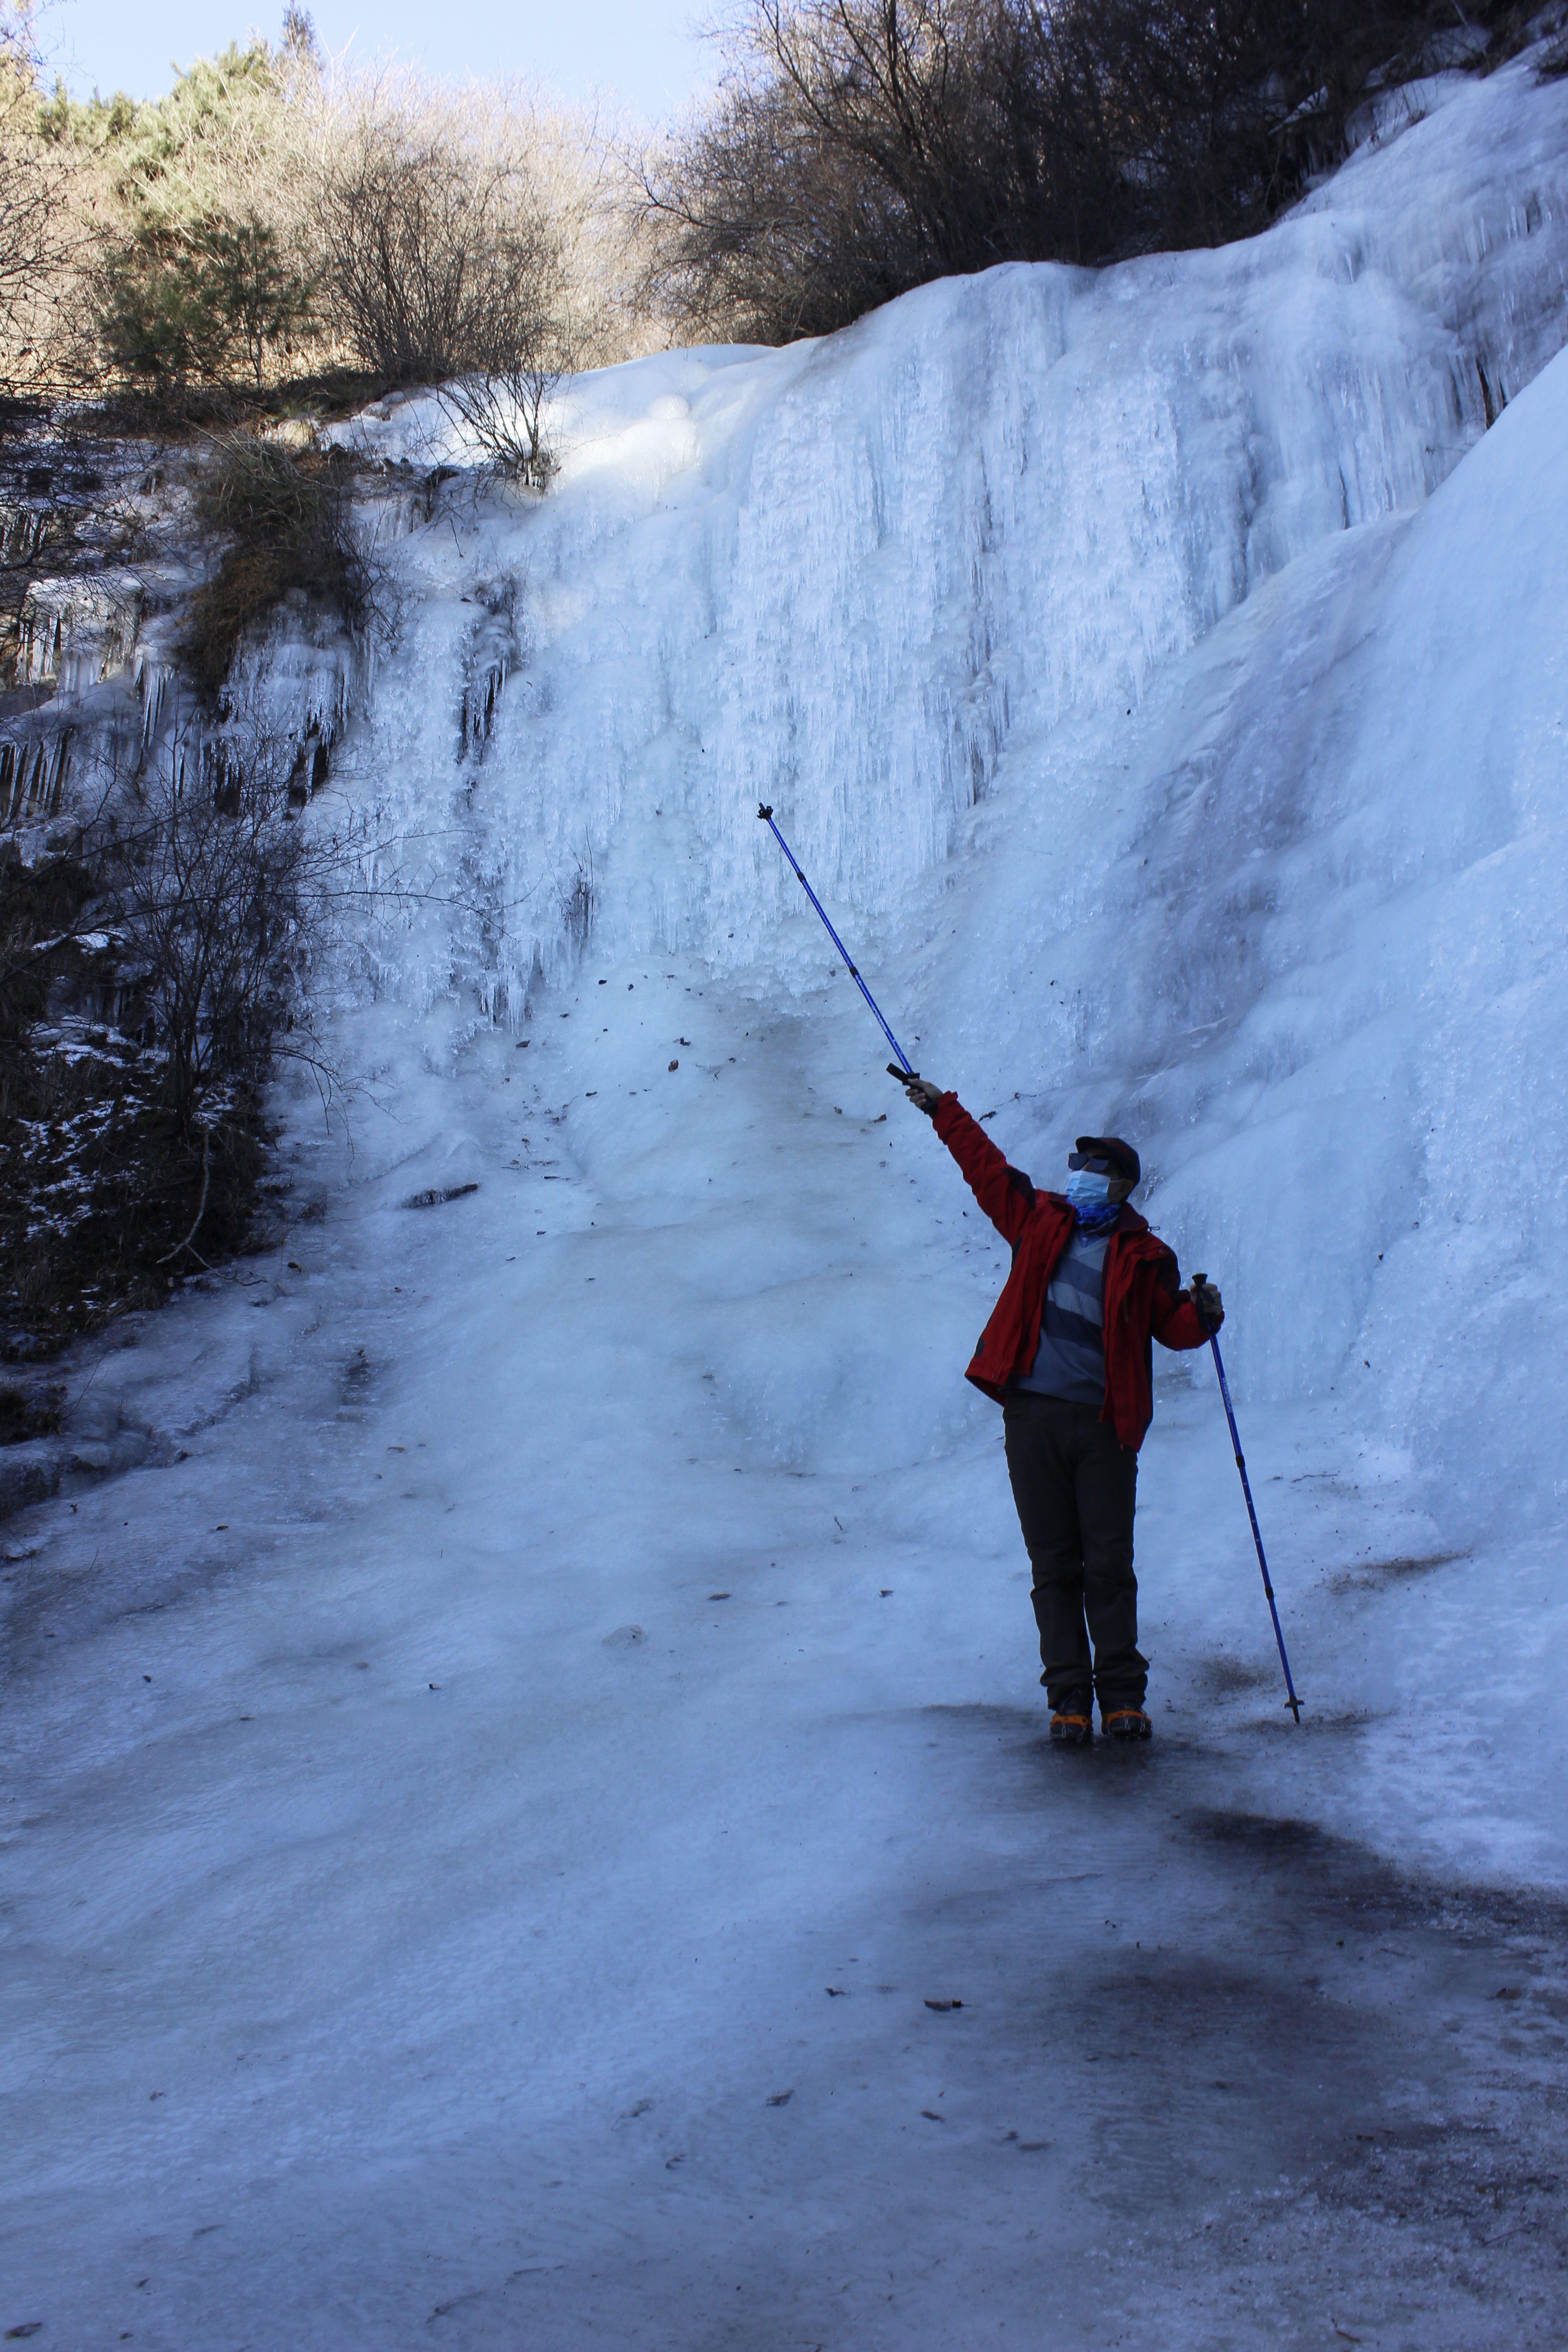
506 1910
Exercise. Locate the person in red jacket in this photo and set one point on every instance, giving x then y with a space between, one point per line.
1067 1356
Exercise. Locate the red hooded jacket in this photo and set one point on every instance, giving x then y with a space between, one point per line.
1140 1299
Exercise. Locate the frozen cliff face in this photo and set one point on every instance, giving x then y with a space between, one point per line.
1175 762
76 633
1101 646
1309 925
839 577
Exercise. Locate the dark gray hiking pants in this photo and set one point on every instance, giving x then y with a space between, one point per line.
1075 1483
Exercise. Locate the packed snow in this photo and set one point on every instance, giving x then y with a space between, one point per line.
509 1909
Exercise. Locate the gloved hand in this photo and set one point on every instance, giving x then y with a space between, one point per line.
1206 1299
922 1093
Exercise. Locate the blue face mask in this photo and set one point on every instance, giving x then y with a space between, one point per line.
1088 1197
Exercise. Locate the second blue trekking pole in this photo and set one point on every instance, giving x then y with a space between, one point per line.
1292 1702
766 814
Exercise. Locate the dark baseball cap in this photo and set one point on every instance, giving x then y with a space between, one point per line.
1121 1158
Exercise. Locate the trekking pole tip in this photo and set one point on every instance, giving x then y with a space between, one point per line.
764 812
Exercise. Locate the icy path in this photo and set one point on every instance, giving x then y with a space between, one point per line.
351 2011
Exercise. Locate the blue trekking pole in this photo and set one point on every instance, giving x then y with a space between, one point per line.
766 814
1294 1703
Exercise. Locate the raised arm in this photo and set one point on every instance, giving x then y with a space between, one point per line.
1005 1193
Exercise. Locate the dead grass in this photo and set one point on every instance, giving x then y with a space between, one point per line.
288 521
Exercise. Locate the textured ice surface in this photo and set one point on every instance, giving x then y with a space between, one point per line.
837 577
925 587
490 1800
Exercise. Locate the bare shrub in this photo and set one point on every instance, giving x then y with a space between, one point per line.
433 232
208 221
150 983
98 1179
861 147
228 896
503 409
856 150
41 232
39 910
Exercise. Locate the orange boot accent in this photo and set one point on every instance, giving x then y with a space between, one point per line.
1072 1730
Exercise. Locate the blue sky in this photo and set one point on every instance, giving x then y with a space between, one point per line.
643 52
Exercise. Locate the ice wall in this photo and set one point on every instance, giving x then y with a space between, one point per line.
1177 757
840 576
1307 942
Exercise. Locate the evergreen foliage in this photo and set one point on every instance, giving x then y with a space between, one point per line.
186 304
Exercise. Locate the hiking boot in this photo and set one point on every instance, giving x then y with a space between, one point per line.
1125 1722
1072 1723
